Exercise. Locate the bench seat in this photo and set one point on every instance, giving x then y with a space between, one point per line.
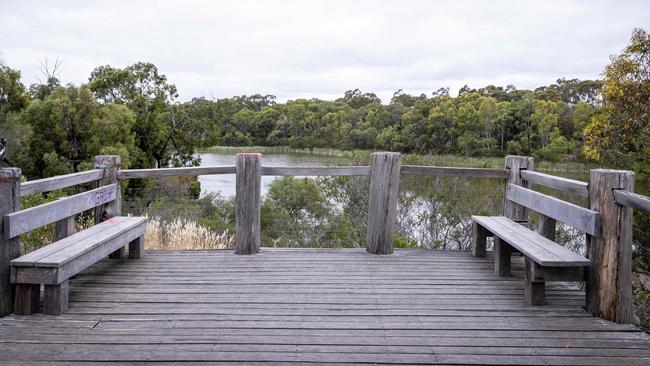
54 264
545 259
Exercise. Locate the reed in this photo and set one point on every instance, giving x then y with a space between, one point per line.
181 234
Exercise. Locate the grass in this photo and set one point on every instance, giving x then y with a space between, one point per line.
181 234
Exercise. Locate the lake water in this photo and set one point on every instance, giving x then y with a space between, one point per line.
225 183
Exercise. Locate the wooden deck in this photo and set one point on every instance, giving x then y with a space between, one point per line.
307 306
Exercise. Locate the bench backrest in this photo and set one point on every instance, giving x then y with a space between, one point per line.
32 218
577 216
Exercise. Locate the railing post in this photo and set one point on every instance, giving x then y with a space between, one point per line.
110 164
247 202
382 202
609 279
516 164
9 248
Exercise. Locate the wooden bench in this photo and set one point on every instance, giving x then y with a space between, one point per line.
54 264
546 261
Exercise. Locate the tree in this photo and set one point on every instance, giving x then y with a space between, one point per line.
619 134
161 128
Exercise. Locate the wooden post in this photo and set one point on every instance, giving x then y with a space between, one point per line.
479 236
502 257
546 227
9 248
382 202
65 228
110 164
609 279
535 287
516 164
247 198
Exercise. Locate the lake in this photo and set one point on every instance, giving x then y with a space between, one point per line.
225 183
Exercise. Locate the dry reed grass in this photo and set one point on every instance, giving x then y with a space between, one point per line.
181 234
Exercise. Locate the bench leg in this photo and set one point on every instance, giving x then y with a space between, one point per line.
479 236
27 300
118 254
502 254
534 283
136 248
55 301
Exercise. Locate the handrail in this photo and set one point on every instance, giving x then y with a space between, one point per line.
630 199
555 182
60 181
316 171
175 172
454 172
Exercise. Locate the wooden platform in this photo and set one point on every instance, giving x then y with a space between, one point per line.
314 307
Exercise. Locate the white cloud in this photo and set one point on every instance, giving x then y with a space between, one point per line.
322 48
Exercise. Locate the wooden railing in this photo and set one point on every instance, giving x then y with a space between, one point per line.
610 196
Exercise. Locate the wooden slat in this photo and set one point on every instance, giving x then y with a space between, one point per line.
558 183
542 250
454 172
579 217
630 199
59 181
175 172
26 220
307 171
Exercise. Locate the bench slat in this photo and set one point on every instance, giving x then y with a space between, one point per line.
29 259
540 249
32 218
113 229
574 215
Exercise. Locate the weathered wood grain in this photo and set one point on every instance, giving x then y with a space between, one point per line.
55 298
454 172
515 165
9 246
579 217
382 202
317 171
609 280
29 219
59 182
247 206
65 227
555 182
110 164
175 172
631 199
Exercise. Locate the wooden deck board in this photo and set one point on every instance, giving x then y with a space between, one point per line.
286 306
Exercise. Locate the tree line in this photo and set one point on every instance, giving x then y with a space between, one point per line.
134 112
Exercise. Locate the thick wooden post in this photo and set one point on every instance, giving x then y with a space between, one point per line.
609 279
516 164
247 198
9 248
65 228
546 227
382 202
110 164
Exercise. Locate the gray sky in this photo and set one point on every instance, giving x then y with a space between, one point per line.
321 49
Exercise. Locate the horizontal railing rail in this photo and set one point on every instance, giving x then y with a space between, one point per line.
319 171
175 172
454 172
555 182
59 182
633 200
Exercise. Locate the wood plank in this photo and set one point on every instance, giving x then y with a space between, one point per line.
307 171
59 182
29 219
555 182
631 199
579 217
515 165
454 172
543 251
175 172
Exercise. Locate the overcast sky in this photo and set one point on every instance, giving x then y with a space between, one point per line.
305 48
